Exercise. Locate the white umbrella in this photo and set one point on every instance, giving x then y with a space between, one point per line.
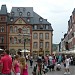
1 49
25 50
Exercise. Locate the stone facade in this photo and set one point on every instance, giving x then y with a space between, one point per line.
25 29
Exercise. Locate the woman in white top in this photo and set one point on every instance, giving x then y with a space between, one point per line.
67 63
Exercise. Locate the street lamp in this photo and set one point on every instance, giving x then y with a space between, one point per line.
24 48
25 43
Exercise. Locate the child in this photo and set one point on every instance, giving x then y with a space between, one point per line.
58 67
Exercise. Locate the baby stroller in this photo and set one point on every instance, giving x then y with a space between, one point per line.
58 66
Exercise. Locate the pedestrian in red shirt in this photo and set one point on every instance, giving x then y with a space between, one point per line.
7 63
1 65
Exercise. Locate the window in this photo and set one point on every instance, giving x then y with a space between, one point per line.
35 36
47 45
19 30
12 13
28 19
1 39
47 26
19 40
20 21
2 18
11 40
15 29
20 13
46 35
11 19
41 35
35 26
24 30
11 29
15 40
41 26
41 44
28 13
18 9
28 30
40 19
2 29
35 45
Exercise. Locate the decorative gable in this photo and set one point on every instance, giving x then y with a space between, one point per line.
20 21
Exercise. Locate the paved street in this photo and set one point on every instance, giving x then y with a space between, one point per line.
72 70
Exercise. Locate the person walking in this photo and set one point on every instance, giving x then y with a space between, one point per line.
67 63
7 63
23 66
31 61
1 65
16 65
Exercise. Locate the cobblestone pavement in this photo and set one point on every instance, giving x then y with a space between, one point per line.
61 72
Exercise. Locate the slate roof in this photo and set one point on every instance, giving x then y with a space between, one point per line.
25 13
3 10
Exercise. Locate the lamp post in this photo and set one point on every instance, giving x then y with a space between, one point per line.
25 43
24 48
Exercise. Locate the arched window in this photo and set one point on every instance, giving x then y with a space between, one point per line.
2 29
19 30
28 30
1 39
35 36
11 29
15 40
15 29
24 30
11 40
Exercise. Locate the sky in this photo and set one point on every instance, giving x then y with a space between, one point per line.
57 12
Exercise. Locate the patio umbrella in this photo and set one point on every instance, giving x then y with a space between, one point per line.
1 49
25 50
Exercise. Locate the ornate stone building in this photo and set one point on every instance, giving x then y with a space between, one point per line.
25 29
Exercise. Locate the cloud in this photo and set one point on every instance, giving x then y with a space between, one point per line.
56 11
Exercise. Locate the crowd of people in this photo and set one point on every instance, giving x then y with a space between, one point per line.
8 65
18 65
51 63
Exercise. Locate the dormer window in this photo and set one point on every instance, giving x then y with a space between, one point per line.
47 26
28 13
35 26
40 19
12 13
18 9
28 19
41 26
11 19
20 13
